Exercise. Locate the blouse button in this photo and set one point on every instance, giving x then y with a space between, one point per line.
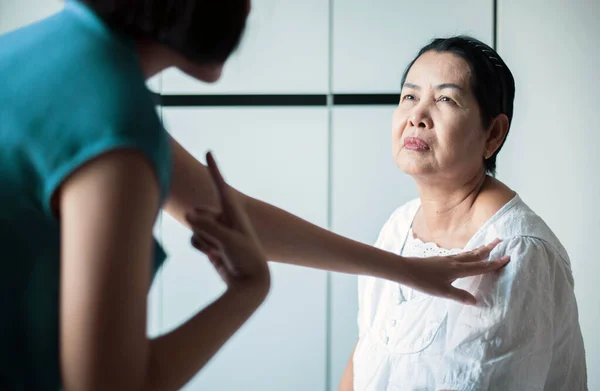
393 322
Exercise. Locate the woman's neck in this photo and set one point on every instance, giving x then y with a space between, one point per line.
154 58
447 210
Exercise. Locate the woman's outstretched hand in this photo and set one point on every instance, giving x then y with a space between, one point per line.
435 275
227 238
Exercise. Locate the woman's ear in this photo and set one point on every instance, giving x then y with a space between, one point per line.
497 133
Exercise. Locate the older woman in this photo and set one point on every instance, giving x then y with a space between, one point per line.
453 116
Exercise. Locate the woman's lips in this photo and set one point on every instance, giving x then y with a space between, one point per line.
415 144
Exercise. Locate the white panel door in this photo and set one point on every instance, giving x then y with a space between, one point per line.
284 50
280 156
551 154
373 41
367 188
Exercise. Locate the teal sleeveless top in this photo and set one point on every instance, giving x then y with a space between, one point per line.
70 90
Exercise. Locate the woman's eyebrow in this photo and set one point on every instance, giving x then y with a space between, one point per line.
442 86
448 85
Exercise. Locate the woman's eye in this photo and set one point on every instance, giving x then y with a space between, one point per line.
445 99
408 97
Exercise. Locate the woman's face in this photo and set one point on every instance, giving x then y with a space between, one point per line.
436 128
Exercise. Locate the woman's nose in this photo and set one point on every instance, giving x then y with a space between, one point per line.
420 118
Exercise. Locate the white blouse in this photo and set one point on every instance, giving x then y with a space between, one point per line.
524 333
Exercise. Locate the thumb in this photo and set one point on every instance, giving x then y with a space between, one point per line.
462 296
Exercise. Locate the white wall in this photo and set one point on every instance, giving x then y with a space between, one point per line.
280 156
16 13
284 50
373 41
551 156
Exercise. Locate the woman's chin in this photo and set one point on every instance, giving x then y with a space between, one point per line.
414 167
209 73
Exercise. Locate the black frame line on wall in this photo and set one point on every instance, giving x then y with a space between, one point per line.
254 100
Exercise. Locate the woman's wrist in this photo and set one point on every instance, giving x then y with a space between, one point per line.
383 264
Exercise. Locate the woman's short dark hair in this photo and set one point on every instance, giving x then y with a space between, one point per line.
492 82
203 31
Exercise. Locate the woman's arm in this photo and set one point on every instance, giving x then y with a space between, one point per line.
347 382
107 210
290 239
300 243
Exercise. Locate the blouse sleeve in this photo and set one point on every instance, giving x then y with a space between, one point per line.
505 342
